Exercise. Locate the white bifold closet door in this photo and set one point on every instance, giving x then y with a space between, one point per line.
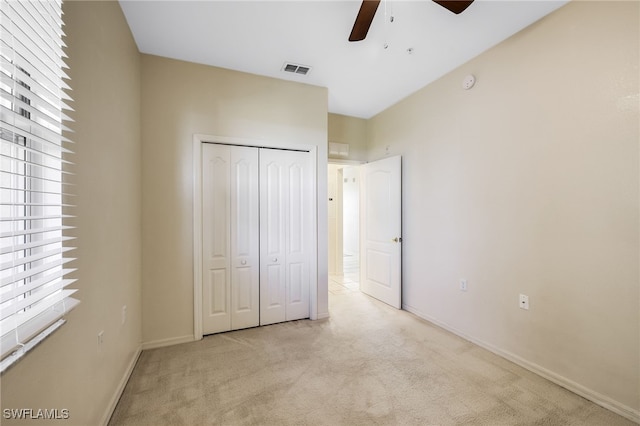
285 235
230 245
256 222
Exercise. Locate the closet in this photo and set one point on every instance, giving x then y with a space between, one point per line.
256 229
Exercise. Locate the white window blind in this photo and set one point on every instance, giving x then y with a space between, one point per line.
33 194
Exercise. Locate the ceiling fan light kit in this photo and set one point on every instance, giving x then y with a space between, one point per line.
368 10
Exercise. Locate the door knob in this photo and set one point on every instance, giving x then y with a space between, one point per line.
397 240
243 262
275 259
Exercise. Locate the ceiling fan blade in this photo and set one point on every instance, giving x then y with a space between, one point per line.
364 19
455 6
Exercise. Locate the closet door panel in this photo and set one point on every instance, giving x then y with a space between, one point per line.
295 231
272 238
216 241
217 292
273 206
245 303
274 291
256 232
285 218
296 280
245 254
298 232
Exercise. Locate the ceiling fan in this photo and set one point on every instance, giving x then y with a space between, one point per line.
369 7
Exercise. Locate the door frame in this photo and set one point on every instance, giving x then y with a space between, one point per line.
335 230
343 163
198 140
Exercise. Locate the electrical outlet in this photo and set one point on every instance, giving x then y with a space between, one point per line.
463 285
100 340
124 314
524 302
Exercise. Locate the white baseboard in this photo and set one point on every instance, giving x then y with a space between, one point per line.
121 385
323 315
591 395
167 342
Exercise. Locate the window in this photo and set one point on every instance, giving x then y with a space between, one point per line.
33 191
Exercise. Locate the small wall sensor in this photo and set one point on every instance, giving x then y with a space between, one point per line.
468 82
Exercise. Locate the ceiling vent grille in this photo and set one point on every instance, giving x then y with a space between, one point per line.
296 68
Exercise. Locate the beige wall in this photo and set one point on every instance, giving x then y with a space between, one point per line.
349 130
528 183
181 99
67 370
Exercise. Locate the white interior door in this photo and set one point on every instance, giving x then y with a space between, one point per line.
286 210
381 226
230 246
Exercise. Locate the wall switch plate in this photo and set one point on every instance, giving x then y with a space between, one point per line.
463 285
524 302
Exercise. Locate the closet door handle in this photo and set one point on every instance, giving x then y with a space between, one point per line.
275 259
243 262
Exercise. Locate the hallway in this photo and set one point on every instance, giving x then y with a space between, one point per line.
348 282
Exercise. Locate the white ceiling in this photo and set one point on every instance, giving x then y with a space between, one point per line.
363 78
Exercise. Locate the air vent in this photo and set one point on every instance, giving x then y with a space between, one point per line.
296 68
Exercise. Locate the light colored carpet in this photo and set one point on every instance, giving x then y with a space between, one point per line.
367 365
